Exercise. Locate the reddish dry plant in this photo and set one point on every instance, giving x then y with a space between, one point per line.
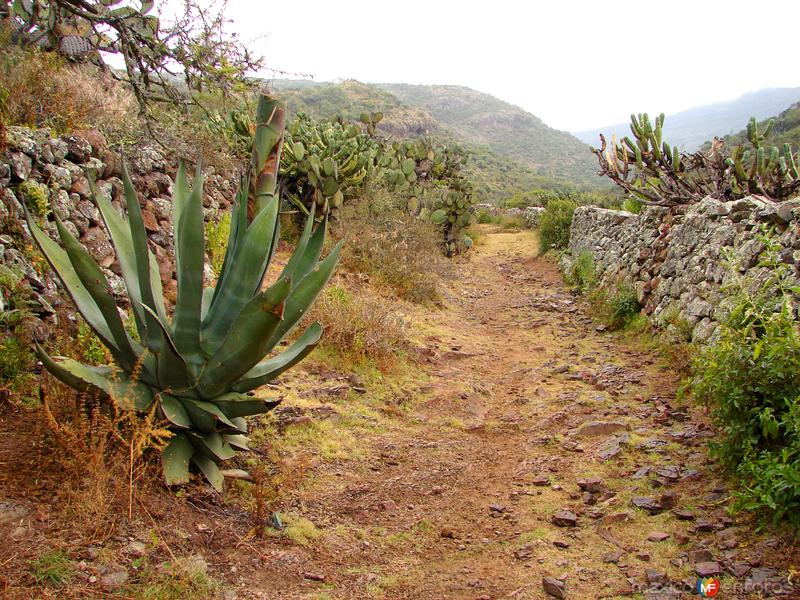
103 450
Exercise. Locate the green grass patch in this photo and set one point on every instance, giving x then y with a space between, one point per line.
53 568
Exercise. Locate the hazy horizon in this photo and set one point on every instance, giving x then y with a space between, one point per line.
576 65
625 119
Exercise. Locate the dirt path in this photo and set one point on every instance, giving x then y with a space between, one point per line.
527 449
528 410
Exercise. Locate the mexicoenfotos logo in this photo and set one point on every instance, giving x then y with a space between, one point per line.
708 587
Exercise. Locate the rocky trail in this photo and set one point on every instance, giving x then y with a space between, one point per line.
544 458
527 454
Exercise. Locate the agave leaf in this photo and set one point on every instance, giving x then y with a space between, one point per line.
244 279
240 442
207 416
300 248
208 297
241 424
246 342
180 198
210 469
95 282
266 154
213 446
235 236
241 405
310 253
276 234
120 234
79 376
107 381
155 285
236 474
154 339
304 294
172 371
189 255
175 412
57 258
175 459
267 370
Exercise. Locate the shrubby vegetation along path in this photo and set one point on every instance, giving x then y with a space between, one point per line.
540 447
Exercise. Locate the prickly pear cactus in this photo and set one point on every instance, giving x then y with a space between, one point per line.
432 176
325 162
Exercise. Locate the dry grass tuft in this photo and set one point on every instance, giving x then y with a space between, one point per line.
41 89
391 247
102 449
359 323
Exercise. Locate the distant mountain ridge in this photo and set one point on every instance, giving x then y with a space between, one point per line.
506 129
348 99
786 130
689 129
512 150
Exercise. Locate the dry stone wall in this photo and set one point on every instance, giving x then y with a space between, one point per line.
676 259
38 169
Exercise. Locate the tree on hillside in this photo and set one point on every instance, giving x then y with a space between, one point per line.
160 61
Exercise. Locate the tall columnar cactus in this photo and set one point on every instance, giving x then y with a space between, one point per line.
766 171
199 366
658 173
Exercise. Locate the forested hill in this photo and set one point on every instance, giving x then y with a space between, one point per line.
507 129
785 131
511 151
351 98
689 129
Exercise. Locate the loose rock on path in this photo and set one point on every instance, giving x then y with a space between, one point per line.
546 458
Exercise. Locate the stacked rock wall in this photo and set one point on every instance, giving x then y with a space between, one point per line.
532 216
39 170
676 260
42 171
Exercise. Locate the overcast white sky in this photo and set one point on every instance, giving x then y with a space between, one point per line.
576 64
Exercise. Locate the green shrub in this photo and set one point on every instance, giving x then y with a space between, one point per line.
16 361
90 348
582 274
217 241
484 216
518 200
617 308
16 358
36 196
632 205
554 224
625 306
750 379
676 326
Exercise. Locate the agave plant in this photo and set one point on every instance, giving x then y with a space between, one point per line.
198 366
